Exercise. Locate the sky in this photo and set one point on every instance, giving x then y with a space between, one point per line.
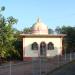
53 13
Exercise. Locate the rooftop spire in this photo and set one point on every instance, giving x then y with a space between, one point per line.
38 19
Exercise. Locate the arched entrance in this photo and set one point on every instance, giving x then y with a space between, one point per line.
43 49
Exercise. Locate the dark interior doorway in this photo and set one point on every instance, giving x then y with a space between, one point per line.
43 49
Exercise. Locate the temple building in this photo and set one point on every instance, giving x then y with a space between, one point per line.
41 44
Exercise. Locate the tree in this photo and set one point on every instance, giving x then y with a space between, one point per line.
27 30
69 40
7 48
58 30
50 31
17 43
2 8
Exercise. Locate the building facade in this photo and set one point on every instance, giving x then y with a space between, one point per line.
40 43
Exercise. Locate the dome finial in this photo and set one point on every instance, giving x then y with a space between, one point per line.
38 19
39 27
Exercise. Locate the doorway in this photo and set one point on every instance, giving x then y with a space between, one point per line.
42 49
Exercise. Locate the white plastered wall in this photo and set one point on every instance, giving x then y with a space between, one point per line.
27 52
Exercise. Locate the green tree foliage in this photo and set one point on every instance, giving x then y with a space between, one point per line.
50 31
27 30
58 30
7 36
69 40
18 43
2 8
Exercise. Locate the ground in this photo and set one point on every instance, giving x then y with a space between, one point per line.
68 69
39 66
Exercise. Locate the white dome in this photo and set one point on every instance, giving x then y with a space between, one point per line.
39 28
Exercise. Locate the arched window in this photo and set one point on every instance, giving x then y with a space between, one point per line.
34 46
43 48
50 46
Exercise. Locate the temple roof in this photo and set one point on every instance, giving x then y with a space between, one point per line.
39 27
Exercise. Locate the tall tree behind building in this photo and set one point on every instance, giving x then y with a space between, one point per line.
69 40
